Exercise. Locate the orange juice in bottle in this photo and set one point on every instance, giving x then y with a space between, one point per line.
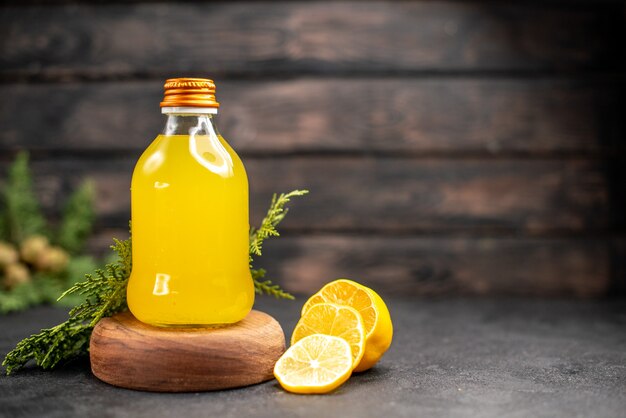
189 204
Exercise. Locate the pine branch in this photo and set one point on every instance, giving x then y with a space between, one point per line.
22 215
266 286
105 293
275 214
78 218
75 273
105 290
50 346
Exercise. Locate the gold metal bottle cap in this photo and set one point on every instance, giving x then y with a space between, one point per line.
189 92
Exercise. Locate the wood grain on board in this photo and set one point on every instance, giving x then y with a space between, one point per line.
127 353
536 196
331 115
314 37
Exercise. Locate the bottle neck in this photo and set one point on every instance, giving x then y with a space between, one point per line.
189 124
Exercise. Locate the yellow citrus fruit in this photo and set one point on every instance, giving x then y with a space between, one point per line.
315 364
338 321
376 318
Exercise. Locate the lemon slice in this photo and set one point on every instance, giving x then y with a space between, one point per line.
376 318
315 364
338 321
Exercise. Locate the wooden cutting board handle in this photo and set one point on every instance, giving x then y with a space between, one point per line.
128 353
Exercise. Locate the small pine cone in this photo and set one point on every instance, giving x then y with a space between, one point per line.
53 259
32 247
8 254
15 274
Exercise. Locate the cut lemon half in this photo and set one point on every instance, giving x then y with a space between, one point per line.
338 321
315 364
376 318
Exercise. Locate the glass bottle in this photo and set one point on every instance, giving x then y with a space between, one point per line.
190 226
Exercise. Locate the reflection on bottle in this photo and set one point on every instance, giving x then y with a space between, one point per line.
206 148
153 162
161 285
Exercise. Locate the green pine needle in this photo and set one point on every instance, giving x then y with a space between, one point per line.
275 214
104 294
266 286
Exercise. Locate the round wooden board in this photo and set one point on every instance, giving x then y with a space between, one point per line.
128 353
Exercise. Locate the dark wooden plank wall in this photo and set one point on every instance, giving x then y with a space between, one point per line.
450 147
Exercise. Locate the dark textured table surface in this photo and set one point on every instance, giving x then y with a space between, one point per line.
513 358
